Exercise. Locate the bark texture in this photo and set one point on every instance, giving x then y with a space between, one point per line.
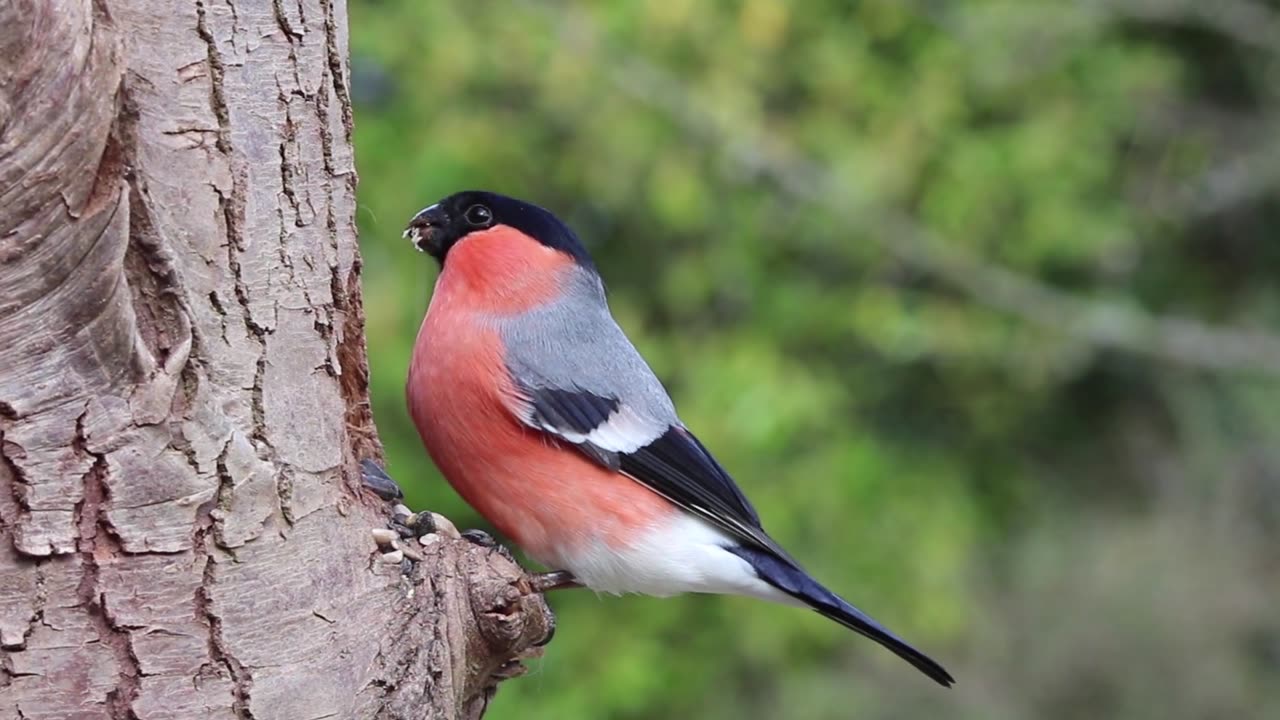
183 386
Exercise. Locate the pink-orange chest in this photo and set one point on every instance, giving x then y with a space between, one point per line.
456 379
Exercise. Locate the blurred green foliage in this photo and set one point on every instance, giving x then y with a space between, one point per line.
908 268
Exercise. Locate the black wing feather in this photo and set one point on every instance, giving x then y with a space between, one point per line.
674 464
678 467
679 456
575 411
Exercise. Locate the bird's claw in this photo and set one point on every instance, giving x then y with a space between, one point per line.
476 536
376 479
479 537
400 543
539 583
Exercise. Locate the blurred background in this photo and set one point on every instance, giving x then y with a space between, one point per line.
979 301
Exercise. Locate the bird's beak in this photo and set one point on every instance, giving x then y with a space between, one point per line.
426 228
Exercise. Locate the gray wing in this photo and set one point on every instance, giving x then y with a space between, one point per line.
584 383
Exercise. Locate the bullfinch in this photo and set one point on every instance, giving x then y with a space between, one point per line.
543 416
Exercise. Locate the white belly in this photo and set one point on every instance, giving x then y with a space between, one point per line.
686 554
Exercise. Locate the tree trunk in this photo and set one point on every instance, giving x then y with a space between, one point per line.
183 401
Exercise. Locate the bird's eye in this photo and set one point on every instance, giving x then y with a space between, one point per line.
479 215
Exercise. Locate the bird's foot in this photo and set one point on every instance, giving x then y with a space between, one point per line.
476 536
539 583
535 583
400 542
406 532
376 479
480 538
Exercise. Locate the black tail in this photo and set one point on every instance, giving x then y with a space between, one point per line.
796 583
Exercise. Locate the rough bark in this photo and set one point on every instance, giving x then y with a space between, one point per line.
183 386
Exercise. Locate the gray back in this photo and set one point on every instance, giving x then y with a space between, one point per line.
574 343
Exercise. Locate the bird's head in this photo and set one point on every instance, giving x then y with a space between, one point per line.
438 228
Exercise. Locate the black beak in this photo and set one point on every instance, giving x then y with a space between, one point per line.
426 231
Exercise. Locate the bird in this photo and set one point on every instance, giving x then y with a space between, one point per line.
539 411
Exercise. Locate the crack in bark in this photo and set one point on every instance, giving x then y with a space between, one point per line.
232 208
216 303
210 542
302 13
38 602
293 36
284 493
326 137
282 21
288 137
226 488
97 544
151 272
235 21
13 479
263 445
110 169
177 438
217 71
90 516
325 326
336 67
38 605
219 652
353 364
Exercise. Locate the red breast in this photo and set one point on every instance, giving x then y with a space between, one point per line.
545 496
